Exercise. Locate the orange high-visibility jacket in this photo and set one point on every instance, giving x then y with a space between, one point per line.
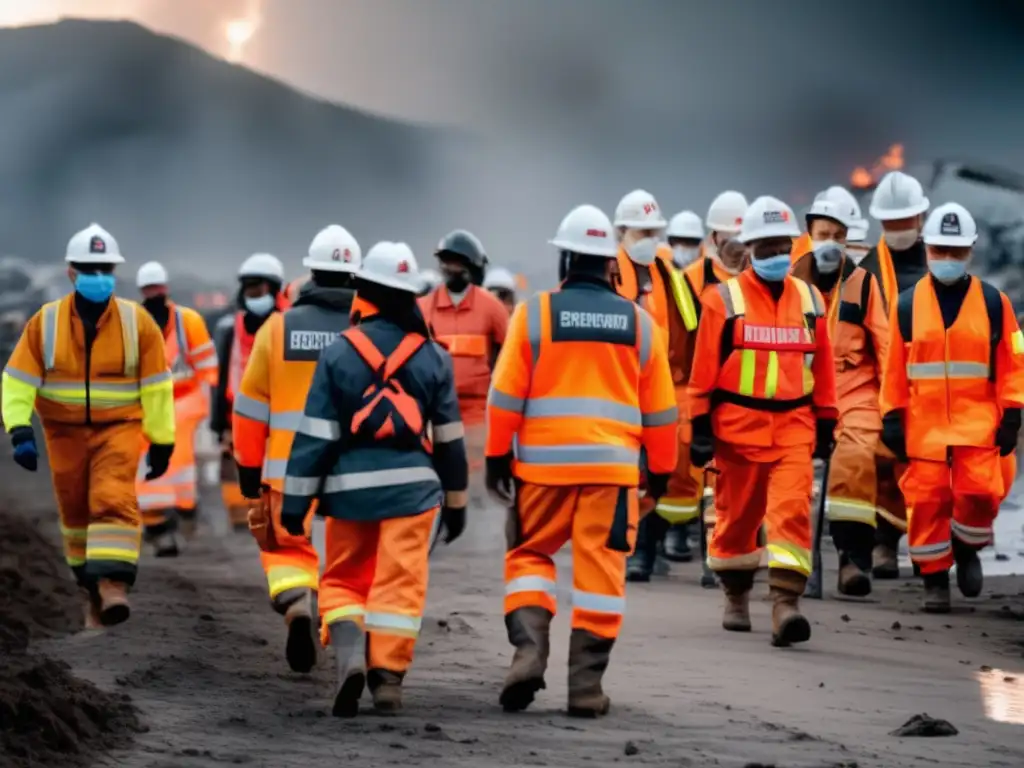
953 384
765 369
703 273
190 351
890 287
582 384
124 376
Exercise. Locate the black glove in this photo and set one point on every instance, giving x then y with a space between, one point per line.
825 441
498 478
25 452
453 520
893 437
159 458
1009 429
657 484
250 481
702 446
294 524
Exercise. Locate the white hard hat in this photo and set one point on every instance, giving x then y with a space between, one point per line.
151 273
726 212
898 196
639 210
685 224
768 217
431 277
262 265
586 230
334 250
501 278
950 224
844 197
830 209
93 245
392 265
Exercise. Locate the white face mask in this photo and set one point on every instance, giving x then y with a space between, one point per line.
901 240
643 251
828 255
260 305
684 255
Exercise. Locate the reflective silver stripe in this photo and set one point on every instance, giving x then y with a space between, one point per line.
156 378
324 429
506 402
358 481
156 500
181 368
645 326
533 326
592 601
660 418
210 362
287 421
201 348
397 621
94 386
275 469
448 433
970 534
582 407
51 318
930 549
129 336
251 408
24 378
577 454
948 370
530 584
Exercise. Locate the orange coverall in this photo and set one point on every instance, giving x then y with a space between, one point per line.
193 362
96 408
952 385
766 373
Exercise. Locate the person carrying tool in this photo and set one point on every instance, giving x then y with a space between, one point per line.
170 501
685 233
762 405
502 284
381 449
582 386
859 329
952 399
898 262
268 410
93 366
259 295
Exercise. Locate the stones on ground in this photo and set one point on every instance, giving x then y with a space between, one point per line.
925 725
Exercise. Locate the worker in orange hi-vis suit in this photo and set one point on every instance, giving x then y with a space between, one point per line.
952 398
171 499
471 323
763 404
259 295
267 412
582 386
648 277
502 284
93 367
859 328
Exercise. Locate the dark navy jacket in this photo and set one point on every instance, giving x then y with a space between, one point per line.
377 481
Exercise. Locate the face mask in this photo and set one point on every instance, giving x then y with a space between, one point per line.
772 268
902 240
947 271
828 254
157 307
642 251
457 282
96 288
683 255
260 305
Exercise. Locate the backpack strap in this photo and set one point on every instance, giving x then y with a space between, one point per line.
994 309
905 314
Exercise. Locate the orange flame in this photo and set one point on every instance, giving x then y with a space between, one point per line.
862 178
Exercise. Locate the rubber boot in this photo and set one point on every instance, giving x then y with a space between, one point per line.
529 631
348 639
885 556
737 586
936 593
386 687
677 544
969 575
113 600
788 624
91 609
588 659
640 564
300 649
854 580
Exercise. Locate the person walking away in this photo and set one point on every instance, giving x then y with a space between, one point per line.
763 404
381 449
502 284
859 329
267 412
951 399
170 500
260 278
582 386
93 367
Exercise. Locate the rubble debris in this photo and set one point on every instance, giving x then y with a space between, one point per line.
925 725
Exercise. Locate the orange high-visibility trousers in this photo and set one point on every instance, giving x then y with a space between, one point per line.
376 575
853 490
235 504
93 471
293 564
776 492
601 521
960 498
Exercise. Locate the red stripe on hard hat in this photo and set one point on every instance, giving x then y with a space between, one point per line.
596 233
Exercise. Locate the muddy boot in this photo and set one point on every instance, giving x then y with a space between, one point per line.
677 544
854 580
349 643
113 600
588 659
91 609
885 556
386 687
969 576
300 650
788 624
528 630
188 522
936 593
165 545
737 586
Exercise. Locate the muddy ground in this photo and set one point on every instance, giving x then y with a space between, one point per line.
200 665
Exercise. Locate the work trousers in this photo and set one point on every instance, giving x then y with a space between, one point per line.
474 414
681 502
235 504
601 523
293 566
376 575
853 490
959 497
749 493
890 506
93 471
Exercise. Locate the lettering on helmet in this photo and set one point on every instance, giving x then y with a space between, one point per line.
779 339
776 217
596 233
950 225
602 320
97 245
650 208
403 267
